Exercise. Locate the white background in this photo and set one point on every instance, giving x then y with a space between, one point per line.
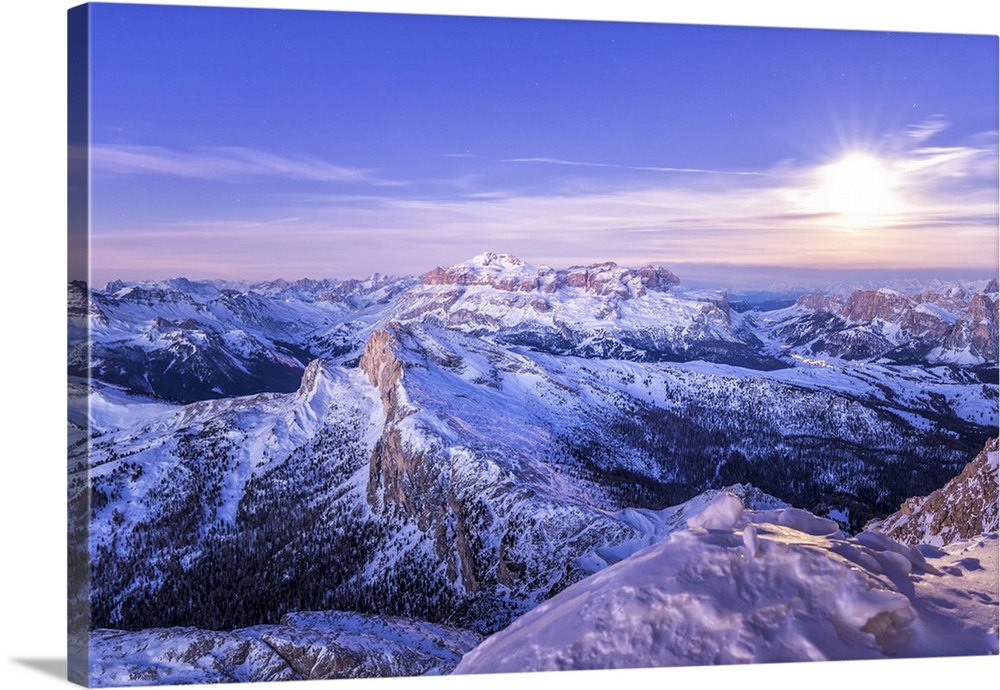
32 318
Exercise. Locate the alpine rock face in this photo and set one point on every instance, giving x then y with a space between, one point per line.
963 508
448 452
603 310
301 646
927 327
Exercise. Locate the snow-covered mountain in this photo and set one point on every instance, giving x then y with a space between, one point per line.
404 501
603 310
301 646
928 327
457 449
184 341
757 586
732 576
483 472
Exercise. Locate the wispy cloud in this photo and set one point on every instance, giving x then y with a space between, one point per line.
222 164
928 129
647 168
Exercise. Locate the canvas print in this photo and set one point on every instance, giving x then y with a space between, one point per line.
409 345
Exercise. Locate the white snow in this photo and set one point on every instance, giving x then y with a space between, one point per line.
722 513
103 408
304 646
741 586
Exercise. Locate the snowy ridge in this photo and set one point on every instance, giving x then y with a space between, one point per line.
508 273
188 340
741 586
303 646
492 475
603 310
179 473
185 340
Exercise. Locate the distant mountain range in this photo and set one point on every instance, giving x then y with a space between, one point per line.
185 341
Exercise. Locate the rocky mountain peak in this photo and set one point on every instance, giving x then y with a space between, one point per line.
497 260
78 300
392 467
867 305
946 325
976 330
657 277
310 377
507 273
820 302
383 368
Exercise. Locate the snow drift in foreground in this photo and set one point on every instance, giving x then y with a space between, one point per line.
742 586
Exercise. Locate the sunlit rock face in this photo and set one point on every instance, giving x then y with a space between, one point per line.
602 310
974 334
954 327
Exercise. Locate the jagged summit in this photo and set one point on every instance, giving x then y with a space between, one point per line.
601 310
310 377
937 326
509 273
503 271
494 259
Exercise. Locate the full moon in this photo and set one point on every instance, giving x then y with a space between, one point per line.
859 187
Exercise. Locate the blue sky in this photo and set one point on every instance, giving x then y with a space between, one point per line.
251 143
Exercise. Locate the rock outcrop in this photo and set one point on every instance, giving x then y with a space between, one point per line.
965 507
411 480
975 331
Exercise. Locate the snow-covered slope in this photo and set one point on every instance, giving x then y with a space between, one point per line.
302 646
489 472
675 429
741 586
602 310
455 479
